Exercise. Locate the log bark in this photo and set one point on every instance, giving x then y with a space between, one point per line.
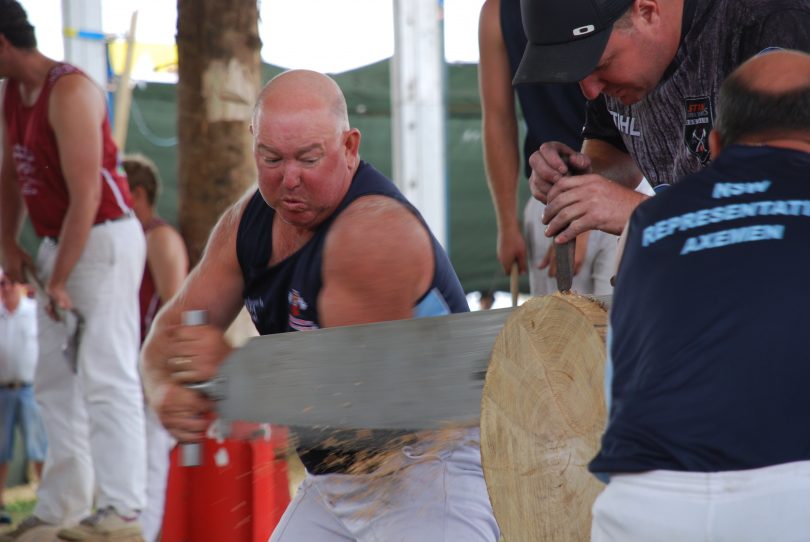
542 416
219 76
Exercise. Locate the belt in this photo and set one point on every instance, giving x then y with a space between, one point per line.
14 385
126 214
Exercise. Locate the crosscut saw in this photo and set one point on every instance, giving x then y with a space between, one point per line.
404 375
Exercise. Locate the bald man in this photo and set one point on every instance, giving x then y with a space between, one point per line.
707 435
326 240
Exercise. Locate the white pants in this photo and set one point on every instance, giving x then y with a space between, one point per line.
440 496
159 444
599 264
94 418
755 505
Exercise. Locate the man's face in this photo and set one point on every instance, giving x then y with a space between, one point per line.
631 66
305 164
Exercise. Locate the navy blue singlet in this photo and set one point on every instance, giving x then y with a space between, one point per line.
284 297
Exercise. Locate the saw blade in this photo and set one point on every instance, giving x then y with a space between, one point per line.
404 375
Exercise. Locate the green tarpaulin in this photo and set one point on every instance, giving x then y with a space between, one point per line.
472 232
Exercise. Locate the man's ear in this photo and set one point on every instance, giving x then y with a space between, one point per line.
714 144
351 145
648 11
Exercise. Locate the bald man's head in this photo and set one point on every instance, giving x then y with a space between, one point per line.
298 90
766 97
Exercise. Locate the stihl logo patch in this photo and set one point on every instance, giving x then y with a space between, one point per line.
625 124
698 124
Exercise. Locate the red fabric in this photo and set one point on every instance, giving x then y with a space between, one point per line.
36 158
147 296
241 501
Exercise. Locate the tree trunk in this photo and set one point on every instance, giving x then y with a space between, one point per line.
219 76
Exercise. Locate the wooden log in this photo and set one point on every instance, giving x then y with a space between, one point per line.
542 416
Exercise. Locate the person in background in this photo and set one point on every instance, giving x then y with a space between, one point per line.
551 113
18 359
707 431
166 255
166 269
60 165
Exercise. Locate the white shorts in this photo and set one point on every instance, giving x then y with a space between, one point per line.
440 497
756 505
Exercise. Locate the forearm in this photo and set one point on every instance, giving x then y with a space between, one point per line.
73 238
611 163
11 210
154 372
12 217
502 164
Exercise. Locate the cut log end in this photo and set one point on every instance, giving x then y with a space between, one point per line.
542 415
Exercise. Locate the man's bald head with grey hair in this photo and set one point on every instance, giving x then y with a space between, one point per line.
303 89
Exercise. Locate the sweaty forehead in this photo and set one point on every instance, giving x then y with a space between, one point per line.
295 122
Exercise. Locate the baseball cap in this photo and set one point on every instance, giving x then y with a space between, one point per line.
566 38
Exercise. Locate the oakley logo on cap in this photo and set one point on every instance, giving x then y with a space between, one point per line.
582 30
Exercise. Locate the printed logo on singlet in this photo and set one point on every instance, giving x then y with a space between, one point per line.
625 123
25 164
698 124
768 224
297 305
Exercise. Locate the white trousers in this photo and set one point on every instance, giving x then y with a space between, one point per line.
159 444
94 417
439 496
771 503
598 267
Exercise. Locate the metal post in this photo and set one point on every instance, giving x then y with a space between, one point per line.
418 109
85 44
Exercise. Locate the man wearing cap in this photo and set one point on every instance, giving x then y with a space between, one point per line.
651 70
550 112
707 435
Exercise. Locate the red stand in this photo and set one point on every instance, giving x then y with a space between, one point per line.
238 494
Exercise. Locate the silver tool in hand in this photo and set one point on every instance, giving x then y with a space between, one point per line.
72 318
191 452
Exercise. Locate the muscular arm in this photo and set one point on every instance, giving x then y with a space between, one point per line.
76 111
378 260
500 135
12 210
174 354
167 260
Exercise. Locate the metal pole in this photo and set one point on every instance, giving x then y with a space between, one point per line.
418 110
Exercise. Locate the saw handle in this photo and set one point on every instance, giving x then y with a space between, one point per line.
191 452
